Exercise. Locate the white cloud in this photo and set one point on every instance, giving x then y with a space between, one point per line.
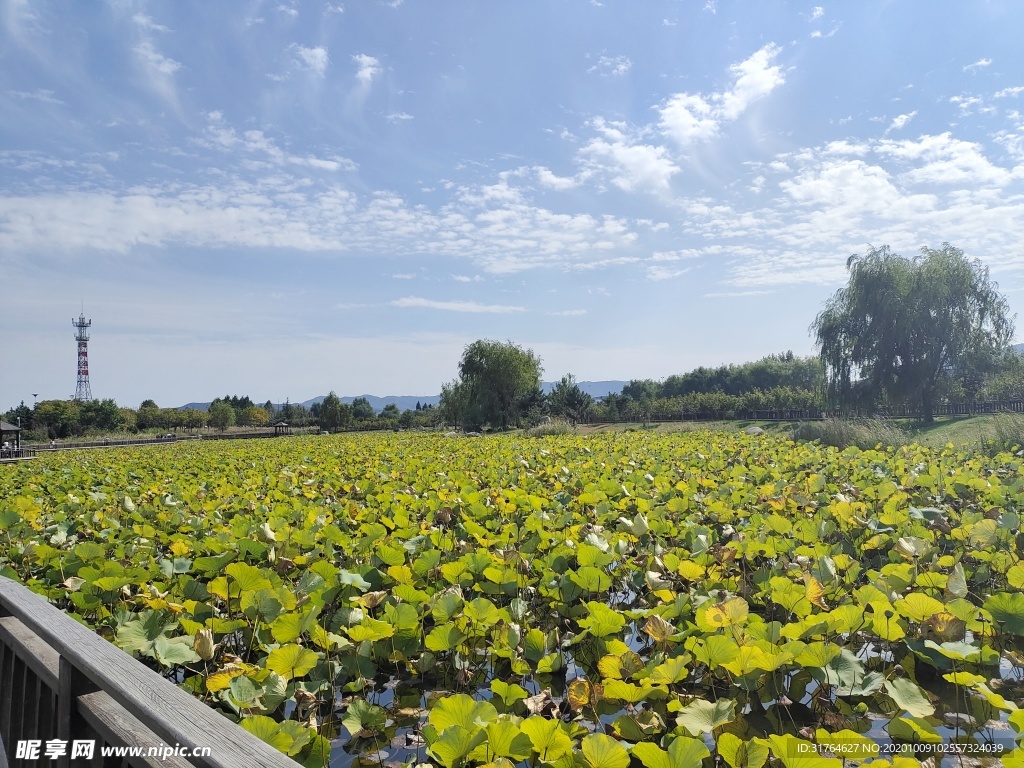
455 306
900 121
155 61
569 313
1015 91
551 181
945 160
665 273
679 255
159 71
367 68
611 66
314 59
39 94
467 279
494 227
220 136
632 166
146 22
817 12
734 294
288 10
688 117
404 275
399 117
965 104
979 64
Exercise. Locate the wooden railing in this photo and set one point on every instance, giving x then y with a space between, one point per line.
61 683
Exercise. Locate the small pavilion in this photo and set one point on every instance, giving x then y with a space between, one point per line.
281 428
10 434
10 440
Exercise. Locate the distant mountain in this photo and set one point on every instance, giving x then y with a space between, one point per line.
406 402
592 388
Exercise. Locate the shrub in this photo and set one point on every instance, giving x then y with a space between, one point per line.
551 428
1007 433
862 433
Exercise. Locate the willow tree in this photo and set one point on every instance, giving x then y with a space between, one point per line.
902 329
499 381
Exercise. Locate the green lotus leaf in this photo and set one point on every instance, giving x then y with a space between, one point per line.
550 742
509 693
444 638
247 578
504 739
461 710
453 746
740 753
601 751
1007 609
683 752
291 661
602 620
363 717
268 730
699 717
914 730
909 697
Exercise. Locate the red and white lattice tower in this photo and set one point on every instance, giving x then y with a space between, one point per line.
83 391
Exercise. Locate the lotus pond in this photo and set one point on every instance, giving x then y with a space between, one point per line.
660 600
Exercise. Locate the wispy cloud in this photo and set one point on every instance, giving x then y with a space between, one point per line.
817 12
314 59
399 117
569 313
900 121
221 136
159 71
611 66
146 22
1013 92
966 104
690 117
455 306
551 181
979 64
734 294
40 94
155 61
665 273
367 68
631 163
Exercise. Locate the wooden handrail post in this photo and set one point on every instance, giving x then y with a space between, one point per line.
71 684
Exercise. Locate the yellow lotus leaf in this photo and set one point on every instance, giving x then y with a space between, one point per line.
814 592
728 613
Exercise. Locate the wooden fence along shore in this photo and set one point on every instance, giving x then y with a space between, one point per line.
62 688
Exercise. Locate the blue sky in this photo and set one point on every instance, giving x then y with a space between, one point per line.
282 198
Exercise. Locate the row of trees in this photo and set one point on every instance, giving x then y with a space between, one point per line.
61 419
902 332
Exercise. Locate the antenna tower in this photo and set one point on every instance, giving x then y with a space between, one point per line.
83 391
